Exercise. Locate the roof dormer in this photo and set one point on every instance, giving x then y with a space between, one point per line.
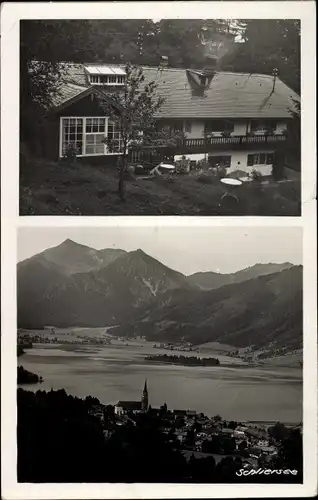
201 79
110 76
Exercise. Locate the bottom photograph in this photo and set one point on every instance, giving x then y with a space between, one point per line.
159 354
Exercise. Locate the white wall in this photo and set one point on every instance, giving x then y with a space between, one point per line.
118 410
240 128
197 130
241 156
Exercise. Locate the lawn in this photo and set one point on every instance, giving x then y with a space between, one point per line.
48 188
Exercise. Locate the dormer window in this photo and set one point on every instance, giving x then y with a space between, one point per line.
203 80
200 79
106 75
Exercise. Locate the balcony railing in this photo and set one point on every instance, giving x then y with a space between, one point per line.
205 145
232 140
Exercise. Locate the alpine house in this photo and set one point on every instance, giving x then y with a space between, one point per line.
238 120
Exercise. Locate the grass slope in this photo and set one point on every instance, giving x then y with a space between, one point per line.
49 188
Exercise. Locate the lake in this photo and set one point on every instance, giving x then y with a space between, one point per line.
118 372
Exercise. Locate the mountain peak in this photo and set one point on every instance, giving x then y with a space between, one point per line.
138 252
69 242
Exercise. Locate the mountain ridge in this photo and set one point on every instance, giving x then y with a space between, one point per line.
72 284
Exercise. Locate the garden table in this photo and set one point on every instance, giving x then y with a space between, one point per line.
232 185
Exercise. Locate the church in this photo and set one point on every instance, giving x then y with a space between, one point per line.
123 407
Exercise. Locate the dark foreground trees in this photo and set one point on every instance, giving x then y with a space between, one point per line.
59 441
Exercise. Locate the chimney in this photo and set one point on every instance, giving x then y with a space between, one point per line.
163 62
210 65
275 74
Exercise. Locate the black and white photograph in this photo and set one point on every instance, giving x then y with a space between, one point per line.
160 117
158 223
144 357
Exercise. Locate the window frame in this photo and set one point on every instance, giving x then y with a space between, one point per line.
226 122
269 125
110 80
84 134
259 164
223 164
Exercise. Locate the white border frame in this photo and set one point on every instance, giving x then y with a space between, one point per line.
11 14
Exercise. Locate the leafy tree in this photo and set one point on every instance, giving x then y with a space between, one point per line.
133 110
163 410
291 453
232 424
278 432
43 46
267 44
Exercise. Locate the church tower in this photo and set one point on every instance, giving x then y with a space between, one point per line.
144 399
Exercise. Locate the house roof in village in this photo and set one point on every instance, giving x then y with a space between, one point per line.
228 95
129 405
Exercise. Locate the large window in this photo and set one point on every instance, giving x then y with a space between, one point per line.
220 161
107 79
265 126
219 126
260 159
94 136
87 136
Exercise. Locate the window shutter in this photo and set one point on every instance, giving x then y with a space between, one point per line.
250 160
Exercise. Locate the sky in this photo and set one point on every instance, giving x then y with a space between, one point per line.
222 249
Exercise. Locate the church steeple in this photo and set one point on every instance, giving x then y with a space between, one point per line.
144 399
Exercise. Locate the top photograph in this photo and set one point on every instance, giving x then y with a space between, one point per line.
145 117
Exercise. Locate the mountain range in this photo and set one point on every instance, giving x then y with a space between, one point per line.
75 285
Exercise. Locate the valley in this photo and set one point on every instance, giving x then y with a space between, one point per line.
258 308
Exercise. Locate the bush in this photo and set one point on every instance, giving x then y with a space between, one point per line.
70 155
256 175
221 172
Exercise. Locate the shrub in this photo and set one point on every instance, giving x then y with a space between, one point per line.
70 155
203 164
256 175
221 172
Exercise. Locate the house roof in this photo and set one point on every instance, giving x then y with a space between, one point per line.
228 94
226 430
67 92
129 405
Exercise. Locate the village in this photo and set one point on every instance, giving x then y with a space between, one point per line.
199 436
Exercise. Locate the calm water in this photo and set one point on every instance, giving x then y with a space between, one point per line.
118 372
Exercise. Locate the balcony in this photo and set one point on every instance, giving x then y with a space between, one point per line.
211 143
206 145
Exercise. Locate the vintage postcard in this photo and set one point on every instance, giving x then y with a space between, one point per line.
159 315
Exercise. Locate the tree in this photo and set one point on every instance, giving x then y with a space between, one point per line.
267 44
44 45
291 453
163 410
278 432
133 110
